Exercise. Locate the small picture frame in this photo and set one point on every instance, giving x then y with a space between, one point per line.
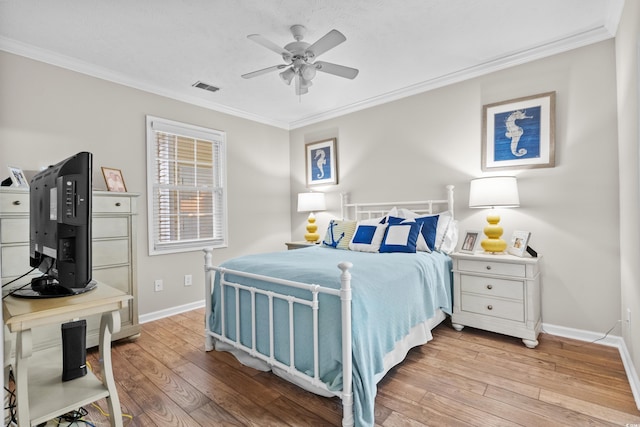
17 177
519 242
114 180
471 241
321 160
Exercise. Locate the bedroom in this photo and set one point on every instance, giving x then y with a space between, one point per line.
589 200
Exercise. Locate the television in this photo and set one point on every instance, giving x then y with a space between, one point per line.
60 229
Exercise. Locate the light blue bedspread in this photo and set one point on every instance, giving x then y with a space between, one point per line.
392 292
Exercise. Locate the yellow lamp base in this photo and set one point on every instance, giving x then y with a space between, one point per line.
311 235
493 243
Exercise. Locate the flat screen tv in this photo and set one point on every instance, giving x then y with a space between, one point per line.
60 229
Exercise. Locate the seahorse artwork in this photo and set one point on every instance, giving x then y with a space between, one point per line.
334 243
321 160
515 132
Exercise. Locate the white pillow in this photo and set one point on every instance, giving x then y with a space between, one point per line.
368 236
446 232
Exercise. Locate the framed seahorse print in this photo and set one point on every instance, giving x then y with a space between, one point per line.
321 162
519 133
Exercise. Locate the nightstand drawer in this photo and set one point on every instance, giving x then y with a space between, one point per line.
493 267
492 287
510 310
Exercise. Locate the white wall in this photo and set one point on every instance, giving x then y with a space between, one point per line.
628 78
48 113
412 148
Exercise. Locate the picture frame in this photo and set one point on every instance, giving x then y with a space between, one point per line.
114 180
519 242
321 161
17 177
519 133
471 241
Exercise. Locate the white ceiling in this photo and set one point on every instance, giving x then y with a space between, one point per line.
400 47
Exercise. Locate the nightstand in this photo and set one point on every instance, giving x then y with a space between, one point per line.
498 293
299 245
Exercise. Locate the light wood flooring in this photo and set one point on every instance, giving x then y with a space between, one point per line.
468 378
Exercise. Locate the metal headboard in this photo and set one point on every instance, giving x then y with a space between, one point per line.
357 211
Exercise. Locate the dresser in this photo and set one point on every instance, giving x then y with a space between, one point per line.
498 293
113 254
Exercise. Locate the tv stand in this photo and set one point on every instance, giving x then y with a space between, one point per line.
41 395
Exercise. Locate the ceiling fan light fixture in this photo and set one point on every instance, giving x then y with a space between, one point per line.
287 75
308 71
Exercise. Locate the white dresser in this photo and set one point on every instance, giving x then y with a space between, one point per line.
113 253
499 293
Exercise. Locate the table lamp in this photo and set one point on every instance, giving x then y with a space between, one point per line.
311 202
494 192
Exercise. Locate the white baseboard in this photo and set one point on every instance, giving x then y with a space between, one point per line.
609 340
156 315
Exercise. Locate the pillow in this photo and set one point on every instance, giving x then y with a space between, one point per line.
368 236
400 236
427 238
339 234
446 233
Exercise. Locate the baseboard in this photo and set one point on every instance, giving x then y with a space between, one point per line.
156 315
609 340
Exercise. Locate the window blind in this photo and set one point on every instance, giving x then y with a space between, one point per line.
187 195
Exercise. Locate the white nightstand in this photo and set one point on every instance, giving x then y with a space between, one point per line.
299 245
498 293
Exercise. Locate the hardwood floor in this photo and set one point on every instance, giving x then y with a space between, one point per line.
468 378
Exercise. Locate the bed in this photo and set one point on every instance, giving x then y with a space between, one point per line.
334 318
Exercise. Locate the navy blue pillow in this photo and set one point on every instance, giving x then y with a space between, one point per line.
401 236
429 228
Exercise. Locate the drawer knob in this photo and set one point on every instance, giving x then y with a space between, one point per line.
17 203
118 204
489 286
488 267
489 307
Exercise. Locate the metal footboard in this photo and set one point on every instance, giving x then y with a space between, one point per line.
344 293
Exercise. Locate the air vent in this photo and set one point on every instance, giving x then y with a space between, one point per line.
205 86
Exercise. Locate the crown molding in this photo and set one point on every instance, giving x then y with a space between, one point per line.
574 41
580 39
73 64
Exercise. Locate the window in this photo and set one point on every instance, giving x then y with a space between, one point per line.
186 187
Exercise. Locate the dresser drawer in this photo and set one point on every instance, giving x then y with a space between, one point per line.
509 310
492 267
13 203
492 287
111 204
105 227
14 230
110 252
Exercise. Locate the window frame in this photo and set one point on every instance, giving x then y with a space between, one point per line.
219 163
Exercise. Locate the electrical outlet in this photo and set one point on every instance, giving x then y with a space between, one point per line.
188 280
157 285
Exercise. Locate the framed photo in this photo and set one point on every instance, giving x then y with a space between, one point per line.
114 180
17 177
471 241
321 161
519 133
518 243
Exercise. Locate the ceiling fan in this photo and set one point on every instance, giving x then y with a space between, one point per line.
299 58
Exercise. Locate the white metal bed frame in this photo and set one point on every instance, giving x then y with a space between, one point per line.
357 211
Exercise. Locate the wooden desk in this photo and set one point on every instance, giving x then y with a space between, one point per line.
41 394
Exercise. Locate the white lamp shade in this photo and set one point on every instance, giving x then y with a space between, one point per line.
494 192
311 202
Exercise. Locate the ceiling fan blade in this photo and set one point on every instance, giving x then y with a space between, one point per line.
330 40
264 71
335 69
269 45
